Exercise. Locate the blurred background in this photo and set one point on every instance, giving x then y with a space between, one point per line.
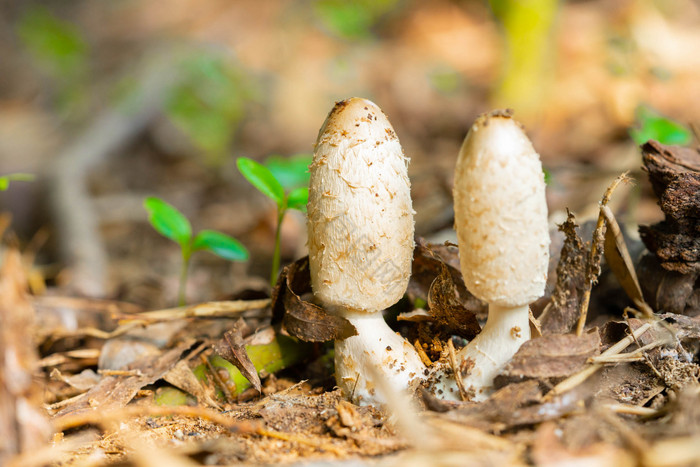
109 102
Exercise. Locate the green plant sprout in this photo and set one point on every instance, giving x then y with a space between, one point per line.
172 224
262 178
16 177
653 125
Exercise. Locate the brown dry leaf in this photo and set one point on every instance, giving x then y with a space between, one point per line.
620 262
517 404
232 348
447 310
560 314
428 263
181 376
23 426
551 356
114 392
300 318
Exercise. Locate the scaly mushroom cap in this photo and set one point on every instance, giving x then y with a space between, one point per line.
360 212
501 213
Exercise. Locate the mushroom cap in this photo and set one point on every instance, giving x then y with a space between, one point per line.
360 215
501 213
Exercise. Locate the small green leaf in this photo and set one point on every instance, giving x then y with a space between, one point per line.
298 199
653 125
292 172
4 183
221 245
262 179
168 221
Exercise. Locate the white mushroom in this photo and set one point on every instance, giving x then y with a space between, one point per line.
501 222
361 243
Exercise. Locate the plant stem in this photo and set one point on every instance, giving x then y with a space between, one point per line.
183 279
276 254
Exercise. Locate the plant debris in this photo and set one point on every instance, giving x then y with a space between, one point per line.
674 173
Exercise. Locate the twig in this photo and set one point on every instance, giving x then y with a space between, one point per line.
578 378
455 369
301 440
628 409
594 256
421 353
217 377
221 309
634 356
105 418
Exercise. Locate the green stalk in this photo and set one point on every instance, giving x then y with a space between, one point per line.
276 254
183 278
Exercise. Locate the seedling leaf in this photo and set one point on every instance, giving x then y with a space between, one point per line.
261 178
653 125
298 199
292 172
220 244
168 221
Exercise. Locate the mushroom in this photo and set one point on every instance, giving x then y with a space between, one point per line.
501 223
360 223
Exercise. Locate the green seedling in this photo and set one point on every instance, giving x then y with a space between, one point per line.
17 177
653 125
172 224
262 178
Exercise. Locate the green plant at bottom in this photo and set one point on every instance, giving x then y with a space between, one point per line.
172 224
282 352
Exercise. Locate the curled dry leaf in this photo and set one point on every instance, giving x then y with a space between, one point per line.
231 347
560 314
446 309
620 262
429 262
300 318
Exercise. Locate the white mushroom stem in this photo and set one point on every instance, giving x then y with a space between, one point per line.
482 360
375 345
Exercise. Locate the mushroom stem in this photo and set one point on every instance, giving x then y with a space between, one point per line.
375 345
484 357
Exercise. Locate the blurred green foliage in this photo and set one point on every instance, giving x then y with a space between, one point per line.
652 125
209 103
445 80
352 19
59 50
16 177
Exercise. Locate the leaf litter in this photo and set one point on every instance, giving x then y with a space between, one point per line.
624 392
